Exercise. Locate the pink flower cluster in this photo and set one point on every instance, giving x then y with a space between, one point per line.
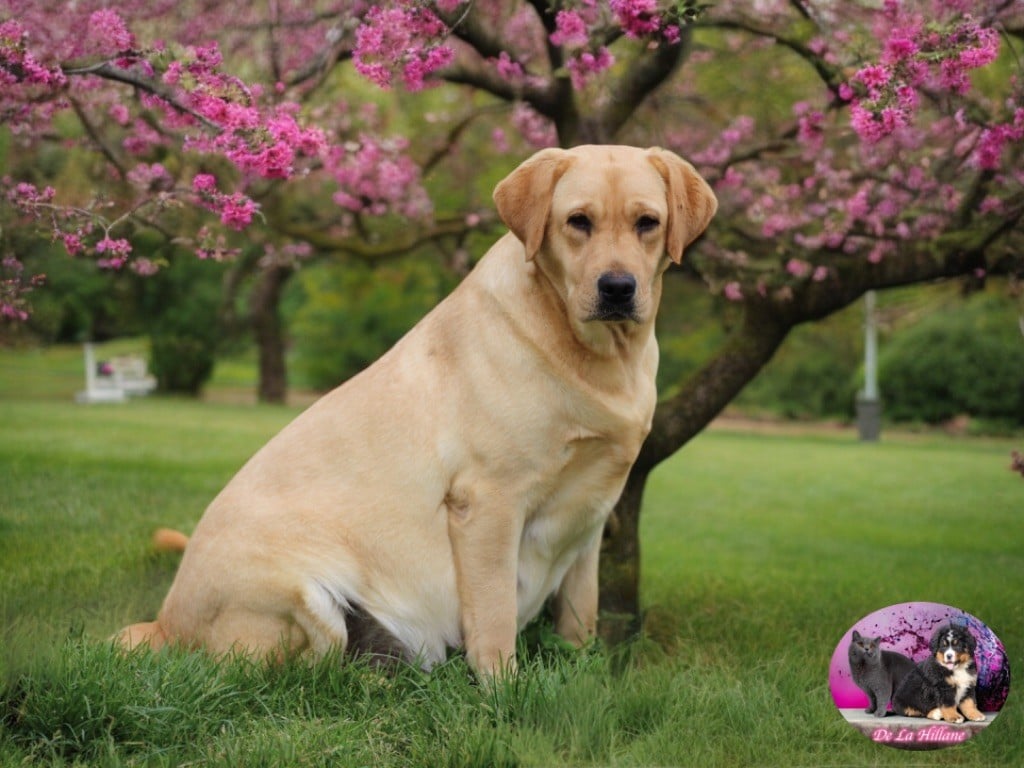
13 288
586 65
377 178
261 142
638 18
107 34
73 227
235 210
721 147
571 30
988 154
28 198
538 131
150 177
401 38
25 80
18 65
915 55
113 253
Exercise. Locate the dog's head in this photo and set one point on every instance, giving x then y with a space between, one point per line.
603 223
952 646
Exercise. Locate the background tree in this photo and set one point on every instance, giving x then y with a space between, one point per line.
853 147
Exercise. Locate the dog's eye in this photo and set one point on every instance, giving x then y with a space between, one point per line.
581 223
646 224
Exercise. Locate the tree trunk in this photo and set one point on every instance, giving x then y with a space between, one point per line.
676 421
269 333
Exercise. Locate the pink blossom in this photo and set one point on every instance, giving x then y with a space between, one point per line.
19 65
107 33
873 125
900 46
820 274
638 18
874 76
991 204
499 141
72 243
570 30
146 176
237 211
448 6
878 251
587 64
534 127
732 291
145 267
858 205
119 114
810 131
116 252
507 68
798 268
377 177
204 183
400 38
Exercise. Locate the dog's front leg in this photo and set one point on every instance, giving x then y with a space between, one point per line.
485 541
575 604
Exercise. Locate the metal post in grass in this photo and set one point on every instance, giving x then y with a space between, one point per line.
869 405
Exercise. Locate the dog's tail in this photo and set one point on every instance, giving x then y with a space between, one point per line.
167 540
151 633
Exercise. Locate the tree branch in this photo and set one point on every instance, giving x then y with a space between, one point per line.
107 71
831 75
96 139
645 74
359 248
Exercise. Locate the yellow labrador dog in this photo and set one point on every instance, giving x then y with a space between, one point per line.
440 497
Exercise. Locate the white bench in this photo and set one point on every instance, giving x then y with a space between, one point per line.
116 380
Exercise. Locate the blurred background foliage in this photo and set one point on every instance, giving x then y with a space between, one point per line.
947 352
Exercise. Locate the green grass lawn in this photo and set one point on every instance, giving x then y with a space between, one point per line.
759 552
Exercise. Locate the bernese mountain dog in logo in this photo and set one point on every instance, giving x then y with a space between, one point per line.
942 686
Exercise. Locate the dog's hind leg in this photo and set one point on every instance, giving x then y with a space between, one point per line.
321 616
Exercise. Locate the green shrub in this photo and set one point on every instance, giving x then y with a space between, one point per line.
349 315
182 304
814 375
181 363
967 361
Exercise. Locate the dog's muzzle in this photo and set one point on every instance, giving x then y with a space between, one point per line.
616 294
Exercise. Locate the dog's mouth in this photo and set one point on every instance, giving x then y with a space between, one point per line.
615 315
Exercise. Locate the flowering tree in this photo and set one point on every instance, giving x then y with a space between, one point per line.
896 159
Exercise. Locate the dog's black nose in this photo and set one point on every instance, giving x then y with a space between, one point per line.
616 289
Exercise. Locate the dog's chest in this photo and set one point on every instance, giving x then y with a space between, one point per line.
568 514
962 680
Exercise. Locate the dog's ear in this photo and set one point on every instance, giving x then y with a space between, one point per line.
691 202
937 636
523 198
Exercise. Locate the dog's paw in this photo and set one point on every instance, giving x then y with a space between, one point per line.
976 717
